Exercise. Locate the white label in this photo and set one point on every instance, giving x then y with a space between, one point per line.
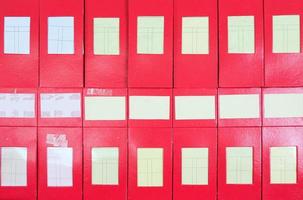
57 140
239 165
13 166
59 167
150 34
194 166
150 167
195 35
17 105
149 107
106 36
241 34
283 165
239 106
60 105
195 107
283 105
60 35
286 34
105 108
105 166
17 35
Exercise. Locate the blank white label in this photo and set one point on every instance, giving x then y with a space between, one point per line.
59 166
194 166
106 36
150 167
286 34
195 35
149 107
241 34
239 165
13 166
60 35
60 105
105 108
150 34
17 105
283 165
16 35
239 106
195 107
105 166
283 105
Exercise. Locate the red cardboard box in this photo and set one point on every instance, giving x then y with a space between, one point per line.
150 108
283 106
18 163
241 43
60 107
195 163
60 163
19 43
239 169
150 163
105 163
61 47
239 107
195 108
105 43
18 107
195 44
105 107
283 55
282 151
150 61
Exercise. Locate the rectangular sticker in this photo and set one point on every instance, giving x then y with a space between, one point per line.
241 34
60 105
13 166
195 35
105 108
283 105
60 35
286 33
105 166
14 105
239 165
283 165
150 167
239 106
59 167
150 35
194 166
195 107
106 36
17 35
149 107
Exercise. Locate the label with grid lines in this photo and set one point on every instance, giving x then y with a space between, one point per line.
239 165
150 167
16 35
106 36
60 35
150 35
59 166
194 166
105 166
195 35
13 166
241 34
283 165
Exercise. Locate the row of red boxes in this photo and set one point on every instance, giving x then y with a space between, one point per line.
172 142
93 107
262 67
